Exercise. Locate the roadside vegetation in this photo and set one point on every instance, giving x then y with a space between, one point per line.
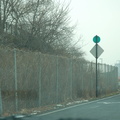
43 26
38 25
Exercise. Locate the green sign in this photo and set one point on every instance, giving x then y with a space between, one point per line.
96 39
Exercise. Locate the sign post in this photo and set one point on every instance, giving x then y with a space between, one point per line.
96 71
96 51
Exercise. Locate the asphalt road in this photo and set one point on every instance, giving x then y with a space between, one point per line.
102 109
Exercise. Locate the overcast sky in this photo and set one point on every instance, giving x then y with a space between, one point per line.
102 18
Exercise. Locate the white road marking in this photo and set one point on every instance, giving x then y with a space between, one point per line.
109 102
52 112
95 107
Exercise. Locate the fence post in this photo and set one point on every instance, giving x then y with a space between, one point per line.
82 80
105 67
98 79
108 79
91 78
57 86
71 77
39 82
16 87
1 110
116 77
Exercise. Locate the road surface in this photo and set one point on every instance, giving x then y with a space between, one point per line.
102 109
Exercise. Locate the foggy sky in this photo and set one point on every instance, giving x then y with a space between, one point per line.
102 18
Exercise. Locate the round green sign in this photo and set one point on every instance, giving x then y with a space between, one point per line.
96 39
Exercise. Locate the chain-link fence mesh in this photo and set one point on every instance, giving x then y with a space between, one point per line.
31 79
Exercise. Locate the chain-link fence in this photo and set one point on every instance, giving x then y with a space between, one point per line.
31 79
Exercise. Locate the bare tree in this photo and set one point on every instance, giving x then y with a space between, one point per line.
39 25
6 12
47 27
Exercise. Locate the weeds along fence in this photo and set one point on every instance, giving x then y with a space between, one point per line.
31 79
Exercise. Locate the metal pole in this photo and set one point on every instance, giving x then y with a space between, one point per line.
16 87
1 109
40 82
0 16
96 70
57 86
71 69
